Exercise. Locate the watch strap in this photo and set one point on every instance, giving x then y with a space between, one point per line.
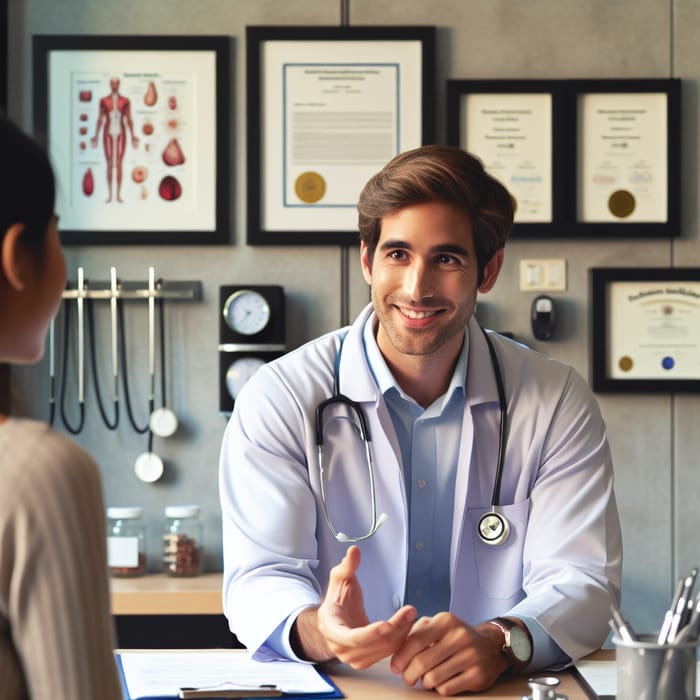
516 665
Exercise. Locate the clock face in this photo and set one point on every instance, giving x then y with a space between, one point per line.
239 372
247 312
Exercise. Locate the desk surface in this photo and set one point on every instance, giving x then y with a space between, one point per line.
379 681
159 594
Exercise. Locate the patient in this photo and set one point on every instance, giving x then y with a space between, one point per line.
55 627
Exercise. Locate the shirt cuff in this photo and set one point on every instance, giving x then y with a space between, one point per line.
546 653
278 645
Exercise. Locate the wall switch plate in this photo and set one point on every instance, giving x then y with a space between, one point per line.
543 275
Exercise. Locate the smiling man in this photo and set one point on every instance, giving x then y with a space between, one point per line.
451 506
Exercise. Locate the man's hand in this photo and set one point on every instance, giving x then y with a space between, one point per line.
340 628
449 656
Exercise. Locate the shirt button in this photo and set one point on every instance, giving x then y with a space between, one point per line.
421 483
396 600
420 546
419 592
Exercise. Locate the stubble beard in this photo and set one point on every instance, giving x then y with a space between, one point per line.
417 342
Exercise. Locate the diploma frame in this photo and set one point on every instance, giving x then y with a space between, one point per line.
266 181
670 138
603 281
4 55
459 92
184 199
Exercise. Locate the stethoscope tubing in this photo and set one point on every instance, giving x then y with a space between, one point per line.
493 527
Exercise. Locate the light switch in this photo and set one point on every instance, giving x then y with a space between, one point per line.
543 275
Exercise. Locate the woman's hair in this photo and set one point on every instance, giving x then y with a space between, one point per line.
27 186
439 174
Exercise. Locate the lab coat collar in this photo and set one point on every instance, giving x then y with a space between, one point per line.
360 385
357 384
481 382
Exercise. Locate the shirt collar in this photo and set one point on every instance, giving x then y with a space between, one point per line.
385 379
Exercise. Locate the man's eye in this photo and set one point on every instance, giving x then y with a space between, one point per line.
397 255
447 259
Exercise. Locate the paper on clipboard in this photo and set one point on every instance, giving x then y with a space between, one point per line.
162 674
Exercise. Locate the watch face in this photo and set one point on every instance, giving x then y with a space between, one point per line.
520 644
239 372
247 312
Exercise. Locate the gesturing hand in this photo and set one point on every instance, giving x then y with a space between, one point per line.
340 625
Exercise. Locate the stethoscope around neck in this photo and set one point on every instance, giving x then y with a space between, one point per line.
493 527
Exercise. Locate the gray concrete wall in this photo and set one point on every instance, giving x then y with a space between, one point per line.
654 438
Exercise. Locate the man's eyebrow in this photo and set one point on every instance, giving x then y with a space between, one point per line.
392 244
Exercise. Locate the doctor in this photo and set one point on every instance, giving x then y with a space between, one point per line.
402 537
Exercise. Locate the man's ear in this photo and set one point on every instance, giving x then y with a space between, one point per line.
13 256
491 270
366 264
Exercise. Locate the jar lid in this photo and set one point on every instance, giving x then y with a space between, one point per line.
191 511
126 512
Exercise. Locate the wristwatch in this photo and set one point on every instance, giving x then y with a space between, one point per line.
517 647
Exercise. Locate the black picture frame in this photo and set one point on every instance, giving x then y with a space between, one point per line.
294 48
459 91
4 54
177 92
642 326
668 225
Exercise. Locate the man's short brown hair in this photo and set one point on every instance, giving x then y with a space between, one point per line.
439 174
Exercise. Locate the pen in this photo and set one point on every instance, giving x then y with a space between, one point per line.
668 617
680 614
624 630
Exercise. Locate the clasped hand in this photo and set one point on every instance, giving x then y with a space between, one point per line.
443 652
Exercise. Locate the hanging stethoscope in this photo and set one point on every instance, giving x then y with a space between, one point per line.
81 358
111 425
493 527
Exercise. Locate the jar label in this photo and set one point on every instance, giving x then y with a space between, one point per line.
123 551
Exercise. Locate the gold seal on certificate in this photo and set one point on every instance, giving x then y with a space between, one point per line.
310 187
626 363
621 203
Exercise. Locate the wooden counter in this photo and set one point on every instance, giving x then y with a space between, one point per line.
159 594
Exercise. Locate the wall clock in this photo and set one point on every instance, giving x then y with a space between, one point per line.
251 333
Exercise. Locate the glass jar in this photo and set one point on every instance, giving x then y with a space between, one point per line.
126 541
182 541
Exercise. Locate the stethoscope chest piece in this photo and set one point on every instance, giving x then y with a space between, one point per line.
493 528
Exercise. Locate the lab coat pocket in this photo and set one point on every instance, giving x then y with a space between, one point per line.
499 568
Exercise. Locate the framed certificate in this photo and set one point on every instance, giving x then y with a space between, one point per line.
4 55
137 130
645 329
327 108
627 159
514 127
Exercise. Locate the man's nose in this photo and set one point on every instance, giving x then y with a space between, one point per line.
419 281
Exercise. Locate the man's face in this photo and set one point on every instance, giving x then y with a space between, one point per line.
424 280
114 84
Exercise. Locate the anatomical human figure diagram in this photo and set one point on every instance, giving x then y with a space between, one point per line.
114 118
141 124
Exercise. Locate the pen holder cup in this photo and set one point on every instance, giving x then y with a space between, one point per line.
647 670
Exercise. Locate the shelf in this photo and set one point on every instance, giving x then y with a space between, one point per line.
159 594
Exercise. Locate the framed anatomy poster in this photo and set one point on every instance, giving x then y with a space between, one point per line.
137 131
328 107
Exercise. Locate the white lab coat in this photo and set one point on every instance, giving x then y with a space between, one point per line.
561 564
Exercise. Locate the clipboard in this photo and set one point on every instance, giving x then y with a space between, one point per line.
270 691
220 691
